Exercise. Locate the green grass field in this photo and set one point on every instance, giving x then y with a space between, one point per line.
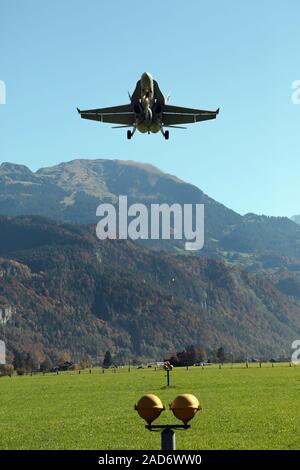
242 408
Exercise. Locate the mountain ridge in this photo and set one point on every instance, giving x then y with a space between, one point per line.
73 292
296 219
71 192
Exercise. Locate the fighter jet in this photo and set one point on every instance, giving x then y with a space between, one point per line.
148 111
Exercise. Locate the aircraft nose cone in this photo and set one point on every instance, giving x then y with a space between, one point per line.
147 85
147 77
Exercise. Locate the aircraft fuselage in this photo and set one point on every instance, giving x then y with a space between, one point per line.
146 105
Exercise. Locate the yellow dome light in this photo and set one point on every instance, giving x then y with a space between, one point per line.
149 407
185 407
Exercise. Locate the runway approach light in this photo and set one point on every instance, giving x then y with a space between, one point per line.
185 407
149 407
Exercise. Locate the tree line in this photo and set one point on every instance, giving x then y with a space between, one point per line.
27 362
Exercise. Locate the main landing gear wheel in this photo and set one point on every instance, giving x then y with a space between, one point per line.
129 135
167 135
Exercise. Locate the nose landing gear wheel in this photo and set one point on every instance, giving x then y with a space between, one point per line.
129 135
167 135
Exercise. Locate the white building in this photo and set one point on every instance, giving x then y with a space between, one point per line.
2 353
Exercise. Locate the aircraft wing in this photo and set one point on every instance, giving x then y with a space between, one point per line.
122 114
173 115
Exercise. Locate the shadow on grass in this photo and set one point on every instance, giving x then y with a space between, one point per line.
166 387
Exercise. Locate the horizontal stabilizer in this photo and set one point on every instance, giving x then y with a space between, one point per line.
123 108
170 119
181 110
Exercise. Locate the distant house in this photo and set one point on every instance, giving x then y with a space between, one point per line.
64 366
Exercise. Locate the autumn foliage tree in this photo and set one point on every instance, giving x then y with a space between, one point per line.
85 362
64 357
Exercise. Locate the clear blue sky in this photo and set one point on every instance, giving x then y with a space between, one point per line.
237 55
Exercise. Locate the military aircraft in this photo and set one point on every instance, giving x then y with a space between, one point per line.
148 111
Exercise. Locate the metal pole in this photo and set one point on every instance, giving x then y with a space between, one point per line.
168 441
168 377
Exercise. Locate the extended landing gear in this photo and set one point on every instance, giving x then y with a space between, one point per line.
130 134
165 134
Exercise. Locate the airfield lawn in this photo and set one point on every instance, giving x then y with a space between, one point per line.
243 408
